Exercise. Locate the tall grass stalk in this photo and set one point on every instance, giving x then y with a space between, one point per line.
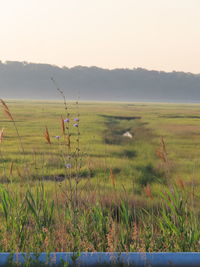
10 116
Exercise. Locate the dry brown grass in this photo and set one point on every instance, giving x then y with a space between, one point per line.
161 151
47 136
111 237
8 114
180 183
6 110
148 191
112 177
62 125
1 135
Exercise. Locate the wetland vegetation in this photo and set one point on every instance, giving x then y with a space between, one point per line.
70 180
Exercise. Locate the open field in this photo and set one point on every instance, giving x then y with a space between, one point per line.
91 188
102 146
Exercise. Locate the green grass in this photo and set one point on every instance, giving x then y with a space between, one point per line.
118 195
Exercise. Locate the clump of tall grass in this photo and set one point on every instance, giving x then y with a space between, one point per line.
32 221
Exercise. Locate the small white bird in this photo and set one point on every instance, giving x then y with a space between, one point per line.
128 134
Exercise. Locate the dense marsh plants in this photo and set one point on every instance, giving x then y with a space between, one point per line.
75 216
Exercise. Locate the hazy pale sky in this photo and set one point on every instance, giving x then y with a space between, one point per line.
152 34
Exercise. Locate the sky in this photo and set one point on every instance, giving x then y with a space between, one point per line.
151 34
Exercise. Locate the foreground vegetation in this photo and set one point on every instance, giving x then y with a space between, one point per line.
70 180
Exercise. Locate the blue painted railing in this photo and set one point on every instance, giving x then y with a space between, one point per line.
137 259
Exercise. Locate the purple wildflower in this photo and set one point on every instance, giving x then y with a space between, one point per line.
76 119
57 137
66 120
68 165
75 125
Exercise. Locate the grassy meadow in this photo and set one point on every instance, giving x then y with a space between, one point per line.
80 185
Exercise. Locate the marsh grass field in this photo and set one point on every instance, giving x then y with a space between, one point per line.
70 181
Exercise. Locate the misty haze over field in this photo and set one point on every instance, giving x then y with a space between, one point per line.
33 81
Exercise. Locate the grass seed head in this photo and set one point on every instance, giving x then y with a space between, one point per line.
11 169
161 152
47 136
112 177
62 125
148 191
6 110
180 184
4 104
1 135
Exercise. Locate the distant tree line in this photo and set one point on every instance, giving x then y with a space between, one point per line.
30 80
